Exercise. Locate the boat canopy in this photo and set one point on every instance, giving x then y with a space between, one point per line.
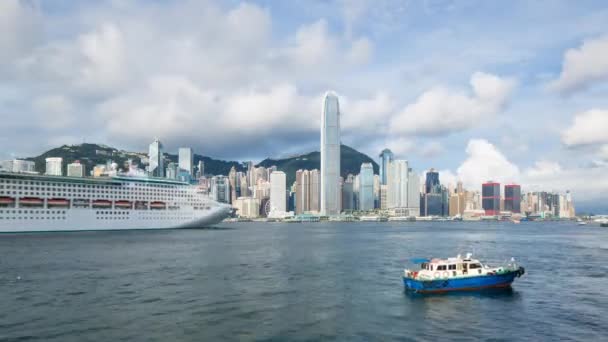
419 260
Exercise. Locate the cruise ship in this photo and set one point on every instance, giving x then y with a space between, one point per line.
32 202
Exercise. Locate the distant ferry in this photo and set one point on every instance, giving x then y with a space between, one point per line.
459 274
32 202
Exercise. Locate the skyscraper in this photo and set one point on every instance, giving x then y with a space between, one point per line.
278 194
232 181
513 198
54 166
386 156
347 193
403 189
490 198
201 169
185 159
436 197
307 191
366 187
330 155
432 179
155 155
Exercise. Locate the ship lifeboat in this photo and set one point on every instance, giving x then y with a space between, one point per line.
31 201
7 201
58 202
122 204
158 205
79 202
141 205
102 204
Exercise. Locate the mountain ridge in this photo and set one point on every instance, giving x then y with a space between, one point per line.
91 154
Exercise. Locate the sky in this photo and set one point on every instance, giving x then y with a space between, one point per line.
513 91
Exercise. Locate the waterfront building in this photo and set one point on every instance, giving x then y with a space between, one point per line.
156 165
220 189
490 198
302 179
347 194
472 201
247 207
386 157
366 187
232 181
457 202
432 180
383 196
376 191
18 165
315 191
330 155
54 166
403 189
76 169
278 199
435 200
307 191
261 189
186 160
512 200
356 188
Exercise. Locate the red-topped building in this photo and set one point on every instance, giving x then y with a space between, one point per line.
513 198
490 198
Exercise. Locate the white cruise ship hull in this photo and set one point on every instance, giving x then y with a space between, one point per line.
86 219
36 203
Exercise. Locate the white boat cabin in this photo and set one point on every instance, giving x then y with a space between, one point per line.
451 268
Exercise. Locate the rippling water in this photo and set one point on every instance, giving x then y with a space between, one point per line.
271 281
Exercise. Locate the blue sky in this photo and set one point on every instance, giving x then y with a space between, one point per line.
516 91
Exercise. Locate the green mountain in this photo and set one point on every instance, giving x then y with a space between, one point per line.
95 154
350 162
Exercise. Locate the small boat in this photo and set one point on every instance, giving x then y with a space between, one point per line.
459 274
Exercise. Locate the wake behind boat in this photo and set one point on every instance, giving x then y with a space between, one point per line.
459 274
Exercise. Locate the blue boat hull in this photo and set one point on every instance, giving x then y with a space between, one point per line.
462 284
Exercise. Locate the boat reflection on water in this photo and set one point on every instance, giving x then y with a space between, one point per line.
507 292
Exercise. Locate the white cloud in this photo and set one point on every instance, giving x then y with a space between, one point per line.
587 128
603 152
314 45
543 168
360 51
400 147
54 110
432 149
441 110
20 28
103 53
550 176
583 66
365 115
485 162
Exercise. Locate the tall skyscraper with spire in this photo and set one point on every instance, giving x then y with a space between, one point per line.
330 155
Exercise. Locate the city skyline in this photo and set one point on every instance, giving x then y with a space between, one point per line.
528 110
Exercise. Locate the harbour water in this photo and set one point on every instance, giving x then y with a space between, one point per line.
277 281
